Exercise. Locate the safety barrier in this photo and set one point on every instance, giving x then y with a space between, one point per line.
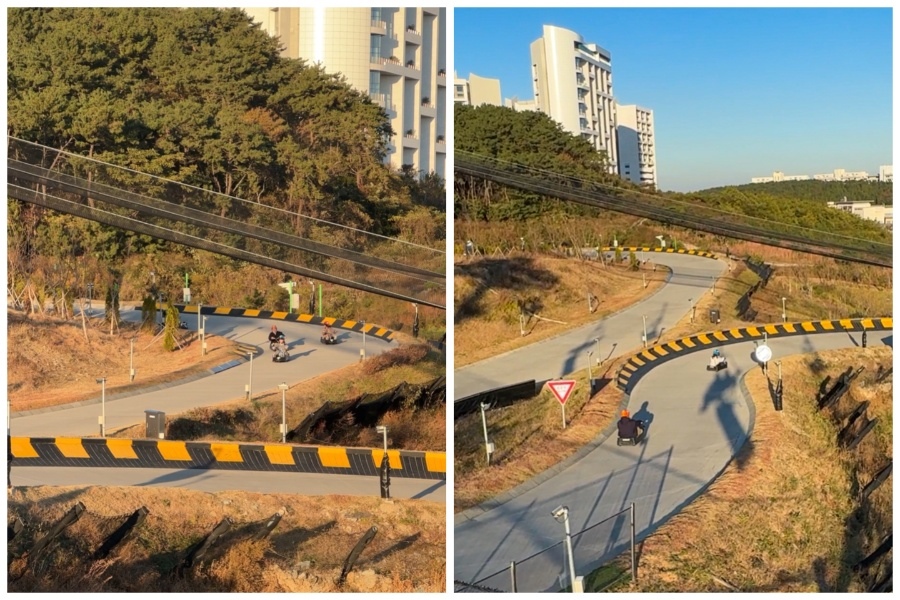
633 249
170 454
639 364
226 311
497 398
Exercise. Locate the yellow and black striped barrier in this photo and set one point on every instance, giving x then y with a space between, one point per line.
633 249
225 311
642 362
170 454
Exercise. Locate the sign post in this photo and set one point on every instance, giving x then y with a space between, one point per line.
562 389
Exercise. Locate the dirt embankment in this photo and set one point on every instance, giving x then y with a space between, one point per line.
304 553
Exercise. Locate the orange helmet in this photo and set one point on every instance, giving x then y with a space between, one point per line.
625 413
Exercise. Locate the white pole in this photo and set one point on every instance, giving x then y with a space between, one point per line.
283 418
571 554
599 360
103 408
487 447
644 279
564 415
250 384
131 370
384 432
645 331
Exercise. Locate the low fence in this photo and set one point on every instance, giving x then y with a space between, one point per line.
641 363
169 454
548 570
497 398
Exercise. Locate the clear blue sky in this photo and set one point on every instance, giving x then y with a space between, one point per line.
735 93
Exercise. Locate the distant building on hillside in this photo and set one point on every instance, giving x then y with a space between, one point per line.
842 175
778 176
520 105
636 147
866 210
886 173
476 90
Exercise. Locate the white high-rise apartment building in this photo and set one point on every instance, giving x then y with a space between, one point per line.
573 85
396 55
636 146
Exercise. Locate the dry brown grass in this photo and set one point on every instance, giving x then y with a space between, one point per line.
528 438
50 363
304 553
488 293
781 517
410 429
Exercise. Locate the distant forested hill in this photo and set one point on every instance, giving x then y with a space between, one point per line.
875 192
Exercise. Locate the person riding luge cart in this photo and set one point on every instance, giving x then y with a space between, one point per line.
281 351
328 336
631 431
717 361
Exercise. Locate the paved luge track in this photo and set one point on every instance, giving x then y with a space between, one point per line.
309 358
698 420
691 278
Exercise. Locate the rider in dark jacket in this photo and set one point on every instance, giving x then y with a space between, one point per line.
274 335
628 427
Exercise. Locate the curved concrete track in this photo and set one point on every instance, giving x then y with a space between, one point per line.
309 358
698 420
620 333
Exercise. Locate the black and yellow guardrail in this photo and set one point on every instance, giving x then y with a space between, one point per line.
225 311
170 454
633 249
642 362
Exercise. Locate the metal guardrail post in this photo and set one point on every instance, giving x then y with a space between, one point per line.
512 576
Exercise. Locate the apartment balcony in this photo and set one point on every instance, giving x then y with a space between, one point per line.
432 11
413 36
428 109
378 28
384 101
440 145
442 77
412 70
410 140
390 65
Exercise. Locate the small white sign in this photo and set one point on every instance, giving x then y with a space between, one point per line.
763 353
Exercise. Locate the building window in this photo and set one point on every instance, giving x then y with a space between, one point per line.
375 48
376 14
374 82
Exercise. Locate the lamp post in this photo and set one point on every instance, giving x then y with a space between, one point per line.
561 514
599 360
362 353
283 387
783 311
693 309
90 288
385 475
131 371
102 420
488 448
250 383
203 338
416 321
590 374
645 331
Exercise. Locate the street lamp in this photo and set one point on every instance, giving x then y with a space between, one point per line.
416 321
362 353
488 447
102 420
599 360
383 430
561 514
783 311
90 288
590 374
203 338
645 331
693 309
283 387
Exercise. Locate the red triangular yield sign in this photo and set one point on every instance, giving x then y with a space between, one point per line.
562 389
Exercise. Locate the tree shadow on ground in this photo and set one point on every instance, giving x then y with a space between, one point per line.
514 273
